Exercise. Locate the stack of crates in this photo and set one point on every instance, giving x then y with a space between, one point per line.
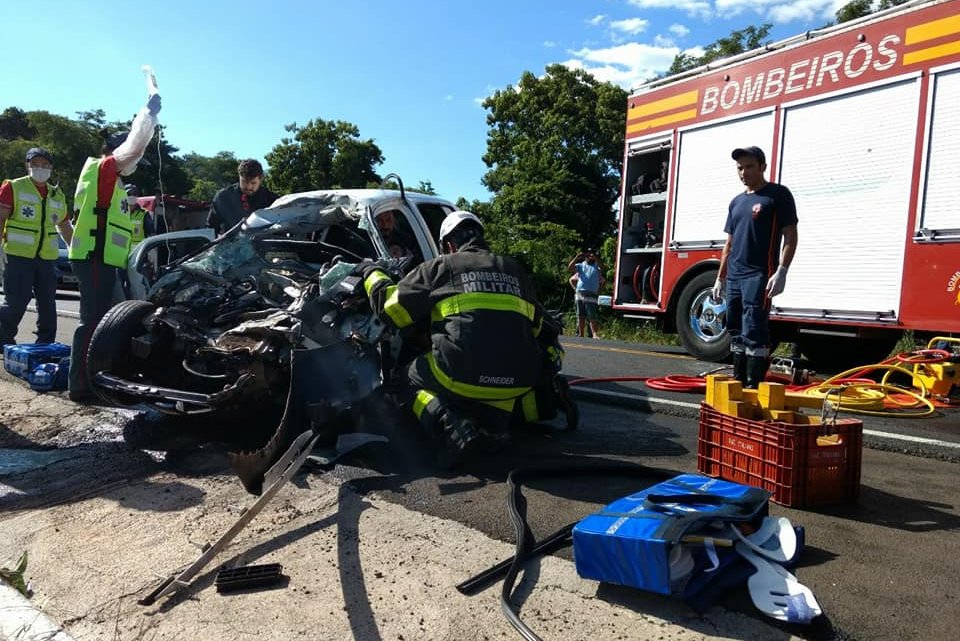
44 366
803 462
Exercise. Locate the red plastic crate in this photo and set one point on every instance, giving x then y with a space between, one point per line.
783 458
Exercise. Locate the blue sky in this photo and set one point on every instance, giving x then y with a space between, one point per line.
410 74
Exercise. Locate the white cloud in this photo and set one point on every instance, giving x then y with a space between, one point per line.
699 8
627 65
780 11
630 26
679 30
662 41
549 44
596 20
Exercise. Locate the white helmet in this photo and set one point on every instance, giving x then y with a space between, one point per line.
453 220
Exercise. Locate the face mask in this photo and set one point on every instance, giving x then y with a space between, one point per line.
40 174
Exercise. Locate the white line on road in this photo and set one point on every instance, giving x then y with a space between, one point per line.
696 406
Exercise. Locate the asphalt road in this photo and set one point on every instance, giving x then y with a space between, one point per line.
884 567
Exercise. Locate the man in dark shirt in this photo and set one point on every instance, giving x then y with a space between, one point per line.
232 204
753 264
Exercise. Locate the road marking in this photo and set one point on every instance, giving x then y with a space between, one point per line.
696 406
621 350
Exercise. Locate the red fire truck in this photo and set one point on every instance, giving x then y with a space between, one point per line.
862 122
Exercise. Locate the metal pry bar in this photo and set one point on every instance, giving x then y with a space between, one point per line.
283 470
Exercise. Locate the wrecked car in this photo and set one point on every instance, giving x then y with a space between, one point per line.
264 326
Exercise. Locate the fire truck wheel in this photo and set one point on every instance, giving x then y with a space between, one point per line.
701 321
110 346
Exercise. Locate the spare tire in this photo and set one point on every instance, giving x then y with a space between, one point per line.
110 349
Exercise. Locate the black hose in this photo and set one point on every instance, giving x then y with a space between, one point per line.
527 547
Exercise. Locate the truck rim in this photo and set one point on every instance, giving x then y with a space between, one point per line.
708 320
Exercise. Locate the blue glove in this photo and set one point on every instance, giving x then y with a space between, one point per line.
153 104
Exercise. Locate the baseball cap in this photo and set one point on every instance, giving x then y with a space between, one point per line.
753 151
454 219
39 152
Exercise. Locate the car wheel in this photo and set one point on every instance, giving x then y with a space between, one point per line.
110 348
702 322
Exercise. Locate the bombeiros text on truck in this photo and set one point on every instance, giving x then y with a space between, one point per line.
862 122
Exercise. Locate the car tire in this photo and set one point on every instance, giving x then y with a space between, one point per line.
110 346
702 323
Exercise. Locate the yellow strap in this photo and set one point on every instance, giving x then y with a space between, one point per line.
373 278
421 400
397 312
473 391
529 404
453 305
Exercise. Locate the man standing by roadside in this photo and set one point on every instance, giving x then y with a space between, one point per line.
753 266
101 239
32 215
232 204
589 272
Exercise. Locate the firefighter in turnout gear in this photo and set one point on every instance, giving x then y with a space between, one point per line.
33 214
103 233
494 354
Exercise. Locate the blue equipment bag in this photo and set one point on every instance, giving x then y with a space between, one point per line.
629 542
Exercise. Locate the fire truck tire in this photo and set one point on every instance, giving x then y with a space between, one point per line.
828 353
110 346
702 322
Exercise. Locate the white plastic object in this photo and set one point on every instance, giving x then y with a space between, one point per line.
777 593
152 88
775 539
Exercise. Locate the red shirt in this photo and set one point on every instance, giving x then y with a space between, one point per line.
6 193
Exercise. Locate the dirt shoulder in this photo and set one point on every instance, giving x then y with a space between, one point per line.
103 522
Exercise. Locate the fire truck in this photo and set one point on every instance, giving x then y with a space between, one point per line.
861 121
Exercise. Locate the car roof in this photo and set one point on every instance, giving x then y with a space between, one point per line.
360 199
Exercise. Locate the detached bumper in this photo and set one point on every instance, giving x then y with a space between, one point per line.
171 400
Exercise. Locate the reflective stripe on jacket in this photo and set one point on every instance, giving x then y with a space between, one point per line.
116 230
32 225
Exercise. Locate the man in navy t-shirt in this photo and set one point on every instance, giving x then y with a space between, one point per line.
753 264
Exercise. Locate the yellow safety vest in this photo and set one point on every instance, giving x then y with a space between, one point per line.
32 225
112 238
136 220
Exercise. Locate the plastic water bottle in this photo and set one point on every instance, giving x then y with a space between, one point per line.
42 377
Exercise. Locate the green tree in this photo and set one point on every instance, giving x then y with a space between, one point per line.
739 41
323 155
853 10
14 125
210 173
554 149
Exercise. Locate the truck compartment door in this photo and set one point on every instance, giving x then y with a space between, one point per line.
848 160
707 177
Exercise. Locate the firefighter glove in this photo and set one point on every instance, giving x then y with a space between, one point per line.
717 292
777 282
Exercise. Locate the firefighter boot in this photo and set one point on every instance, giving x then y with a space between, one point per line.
756 370
740 367
459 437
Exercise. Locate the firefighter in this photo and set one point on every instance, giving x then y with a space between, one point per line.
102 234
753 266
32 215
494 353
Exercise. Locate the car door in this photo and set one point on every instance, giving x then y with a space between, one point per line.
156 252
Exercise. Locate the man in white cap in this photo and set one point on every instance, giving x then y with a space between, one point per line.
494 352
33 214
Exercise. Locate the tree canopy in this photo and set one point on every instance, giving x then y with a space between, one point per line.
554 149
323 154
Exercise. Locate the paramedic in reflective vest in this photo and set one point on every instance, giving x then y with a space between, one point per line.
753 266
140 220
33 214
492 349
102 233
